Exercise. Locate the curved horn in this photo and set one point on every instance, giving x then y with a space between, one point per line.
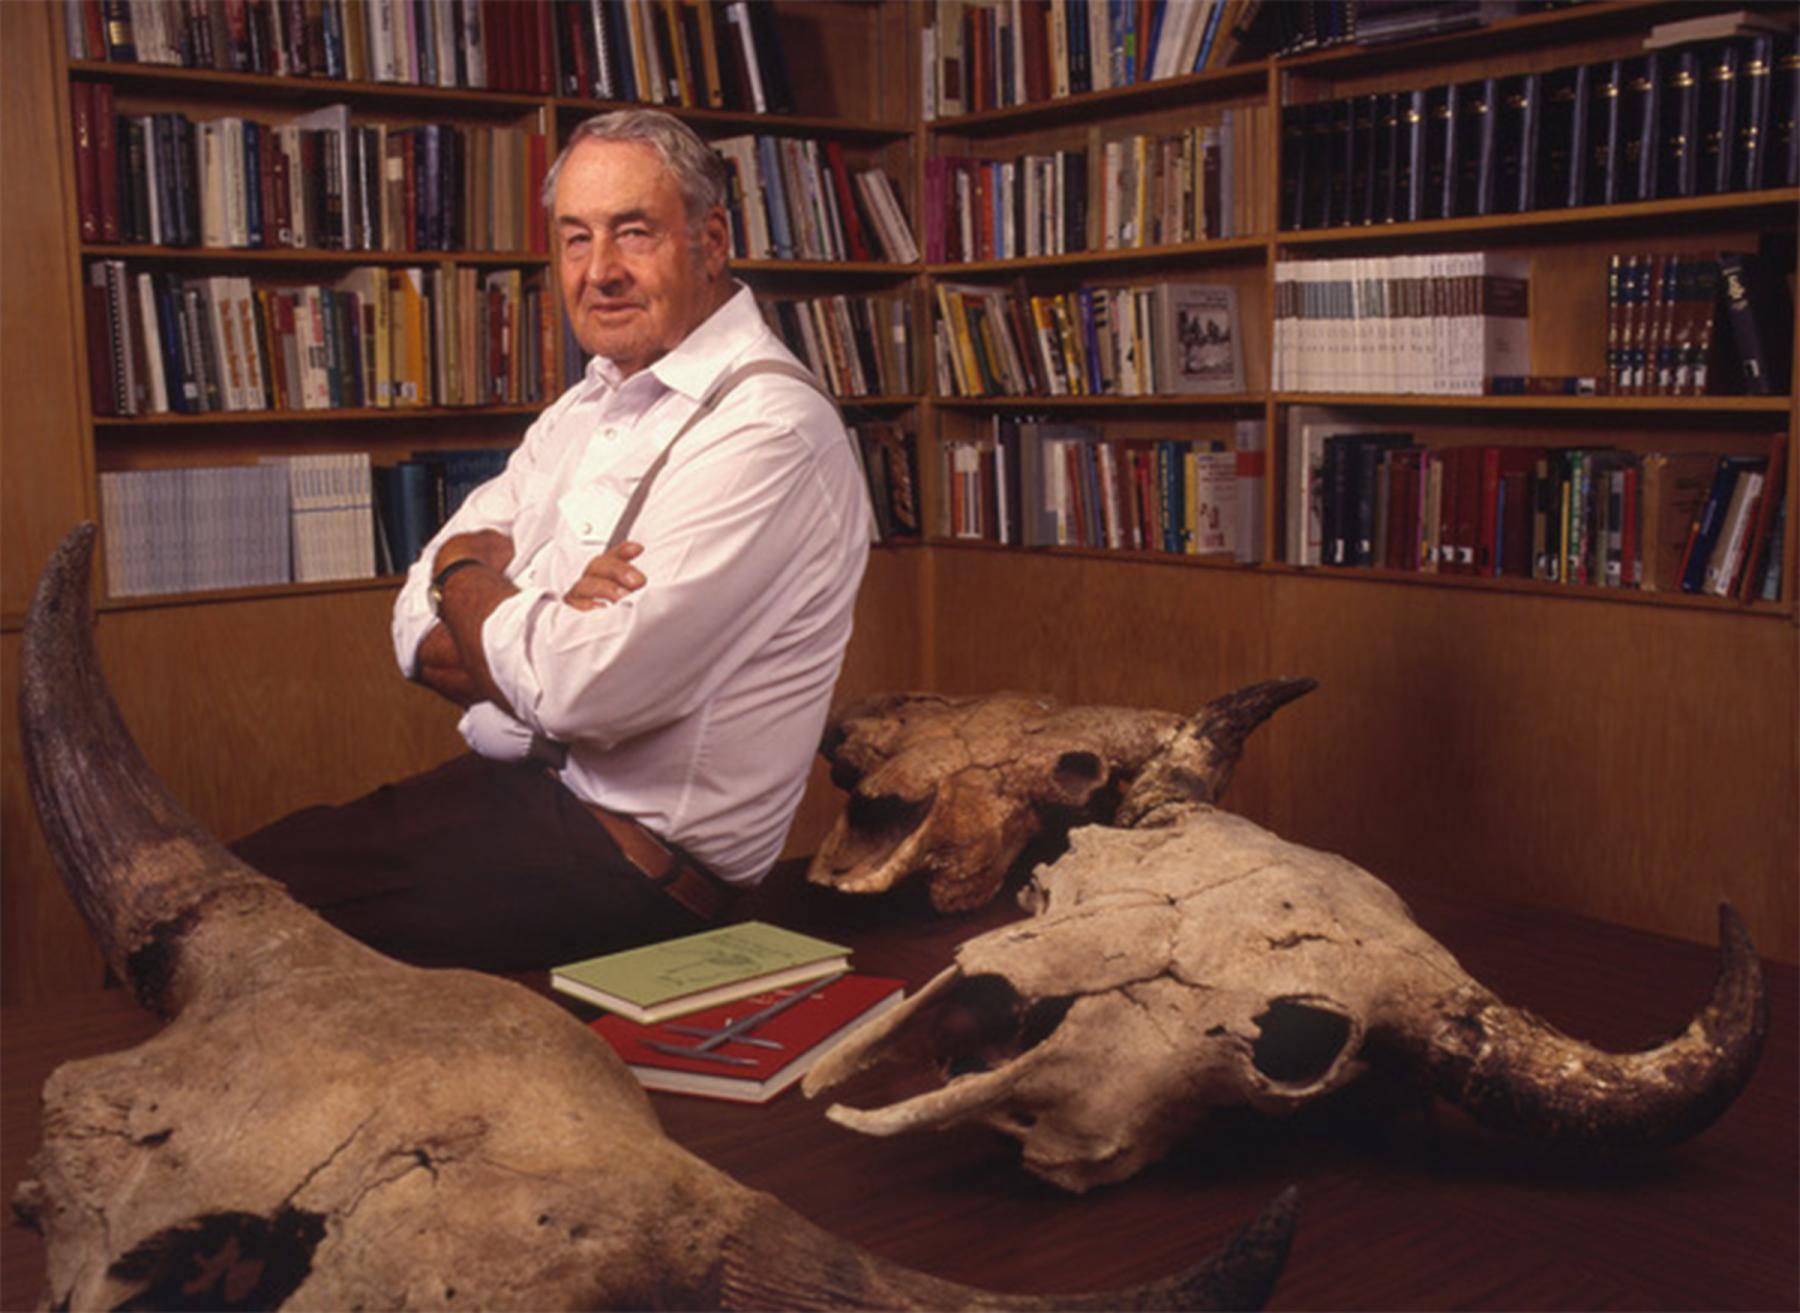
137 865
773 1263
1514 1072
1198 762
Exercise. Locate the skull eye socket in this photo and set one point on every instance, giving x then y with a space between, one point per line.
1077 770
1298 1043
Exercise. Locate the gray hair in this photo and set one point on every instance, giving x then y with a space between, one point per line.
700 173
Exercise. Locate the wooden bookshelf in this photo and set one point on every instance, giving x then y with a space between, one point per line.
1624 755
254 701
1422 675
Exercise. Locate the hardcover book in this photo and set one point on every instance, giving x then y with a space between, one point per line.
791 1028
1198 335
683 975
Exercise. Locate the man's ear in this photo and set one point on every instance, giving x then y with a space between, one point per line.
715 241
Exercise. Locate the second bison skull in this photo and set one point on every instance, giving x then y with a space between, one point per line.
953 789
1208 963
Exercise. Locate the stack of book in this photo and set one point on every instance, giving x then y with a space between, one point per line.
1697 119
858 345
739 1012
1041 483
318 181
1684 521
445 335
1165 339
980 56
793 198
1435 324
1204 182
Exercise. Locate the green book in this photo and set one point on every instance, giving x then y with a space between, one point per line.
677 976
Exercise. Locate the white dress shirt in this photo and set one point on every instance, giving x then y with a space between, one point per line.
696 703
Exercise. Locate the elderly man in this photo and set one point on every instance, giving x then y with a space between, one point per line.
642 708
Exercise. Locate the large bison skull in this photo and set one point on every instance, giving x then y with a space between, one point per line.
1205 963
321 1125
954 788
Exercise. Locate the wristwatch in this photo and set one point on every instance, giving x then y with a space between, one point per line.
435 593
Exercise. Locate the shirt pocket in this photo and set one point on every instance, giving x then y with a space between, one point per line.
589 513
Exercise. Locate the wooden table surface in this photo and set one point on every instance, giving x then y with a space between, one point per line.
1404 1204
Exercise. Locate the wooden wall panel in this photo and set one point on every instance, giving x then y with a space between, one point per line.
887 652
42 449
45 948
1627 762
1104 630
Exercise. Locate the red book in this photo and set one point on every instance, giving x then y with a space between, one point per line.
789 1041
840 184
1496 464
106 142
1034 23
87 160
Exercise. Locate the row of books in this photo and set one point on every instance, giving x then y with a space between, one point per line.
1163 339
1703 119
1144 189
739 1012
1671 316
725 54
500 45
285 519
1695 522
1436 324
446 335
890 461
860 346
674 52
1038 483
795 198
318 181
988 54
1297 27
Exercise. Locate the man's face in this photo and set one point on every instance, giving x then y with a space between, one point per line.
635 279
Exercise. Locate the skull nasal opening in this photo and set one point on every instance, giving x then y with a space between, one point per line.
1298 1043
878 824
1077 772
985 1022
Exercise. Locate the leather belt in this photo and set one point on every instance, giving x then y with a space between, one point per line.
675 873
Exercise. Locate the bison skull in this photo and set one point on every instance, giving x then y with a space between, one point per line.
955 788
1207 963
322 1125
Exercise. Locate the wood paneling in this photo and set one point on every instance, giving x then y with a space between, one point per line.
1627 762
1631 763
886 653
41 425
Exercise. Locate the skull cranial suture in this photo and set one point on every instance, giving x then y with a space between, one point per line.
1200 962
320 1126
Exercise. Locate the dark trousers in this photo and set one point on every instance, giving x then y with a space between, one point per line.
483 864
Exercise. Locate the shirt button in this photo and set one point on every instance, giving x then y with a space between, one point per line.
610 433
588 528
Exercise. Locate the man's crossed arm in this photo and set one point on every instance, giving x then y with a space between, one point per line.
452 660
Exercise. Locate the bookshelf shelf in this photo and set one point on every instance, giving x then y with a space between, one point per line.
1747 207
378 97
1206 401
361 414
1694 407
860 269
311 256
217 596
1140 97
715 122
1233 249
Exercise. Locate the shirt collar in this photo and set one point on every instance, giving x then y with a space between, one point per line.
700 357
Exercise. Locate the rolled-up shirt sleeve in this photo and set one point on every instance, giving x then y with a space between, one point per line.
738 536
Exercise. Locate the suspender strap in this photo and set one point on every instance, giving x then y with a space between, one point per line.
709 403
